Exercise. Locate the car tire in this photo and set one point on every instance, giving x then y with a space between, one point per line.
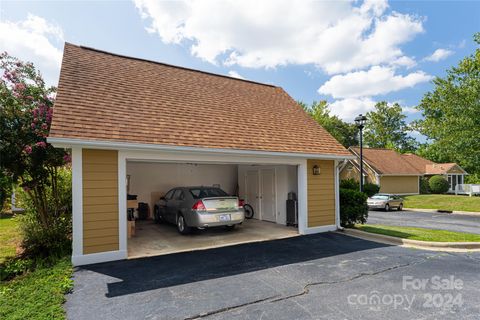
387 207
157 217
230 228
400 207
182 226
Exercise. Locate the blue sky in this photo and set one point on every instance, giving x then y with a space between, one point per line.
351 54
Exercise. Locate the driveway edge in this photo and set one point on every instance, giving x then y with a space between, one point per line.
426 245
472 213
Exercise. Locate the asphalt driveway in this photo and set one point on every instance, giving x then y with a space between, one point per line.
431 220
322 276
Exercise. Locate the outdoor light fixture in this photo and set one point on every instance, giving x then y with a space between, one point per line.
316 170
360 122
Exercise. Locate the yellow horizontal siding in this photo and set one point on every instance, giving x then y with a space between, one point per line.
399 184
100 201
321 193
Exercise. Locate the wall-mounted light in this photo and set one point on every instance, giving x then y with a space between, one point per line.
316 170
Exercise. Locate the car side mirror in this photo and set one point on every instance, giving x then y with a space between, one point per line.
163 198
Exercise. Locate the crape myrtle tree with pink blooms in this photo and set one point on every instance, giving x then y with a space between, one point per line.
27 159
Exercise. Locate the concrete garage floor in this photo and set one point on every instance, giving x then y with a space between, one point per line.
156 239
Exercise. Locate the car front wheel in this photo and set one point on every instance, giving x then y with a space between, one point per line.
400 207
387 207
182 226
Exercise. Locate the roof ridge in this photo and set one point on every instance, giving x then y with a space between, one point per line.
170 65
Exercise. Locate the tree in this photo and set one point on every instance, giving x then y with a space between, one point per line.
26 108
386 128
451 115
344 132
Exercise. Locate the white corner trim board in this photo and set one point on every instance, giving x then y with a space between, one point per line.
80 260
77 202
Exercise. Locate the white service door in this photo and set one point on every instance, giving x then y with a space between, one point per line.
267 196
251 192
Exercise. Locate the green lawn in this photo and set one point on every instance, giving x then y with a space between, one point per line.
443 202
420 233
36 294
9 236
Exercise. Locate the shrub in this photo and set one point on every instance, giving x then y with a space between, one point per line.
473 178
351 184
353 207
370 189
55 240
438 184
424 188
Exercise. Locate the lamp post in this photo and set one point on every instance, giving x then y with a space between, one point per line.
360 122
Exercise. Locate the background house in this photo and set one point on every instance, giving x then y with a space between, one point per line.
399 173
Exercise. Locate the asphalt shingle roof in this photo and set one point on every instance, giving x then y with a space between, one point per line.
107 97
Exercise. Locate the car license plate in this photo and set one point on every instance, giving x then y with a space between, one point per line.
224 217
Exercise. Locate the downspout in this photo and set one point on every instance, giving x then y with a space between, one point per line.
338 167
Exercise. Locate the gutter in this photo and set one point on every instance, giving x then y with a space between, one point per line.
99 144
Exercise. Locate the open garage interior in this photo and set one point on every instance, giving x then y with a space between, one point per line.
271 190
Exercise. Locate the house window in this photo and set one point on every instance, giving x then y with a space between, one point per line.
460 179
454 182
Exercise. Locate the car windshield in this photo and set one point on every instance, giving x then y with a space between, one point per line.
380 197
199 193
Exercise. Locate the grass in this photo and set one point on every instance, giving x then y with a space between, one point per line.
420 234
9 236
443 202
38 294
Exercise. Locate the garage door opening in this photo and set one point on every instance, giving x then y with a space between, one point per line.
271 190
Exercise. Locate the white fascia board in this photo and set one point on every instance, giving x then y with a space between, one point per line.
69 143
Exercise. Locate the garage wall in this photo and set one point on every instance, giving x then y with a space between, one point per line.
286 181
321 193
399 184
148 177
100 201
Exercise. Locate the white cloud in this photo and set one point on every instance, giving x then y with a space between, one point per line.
375 81
337 36
410 110
36 40
348 109
235 74
439 54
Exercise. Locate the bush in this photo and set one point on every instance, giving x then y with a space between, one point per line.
353 207
473 178
438 184
370 189
41 242
424 188
351 184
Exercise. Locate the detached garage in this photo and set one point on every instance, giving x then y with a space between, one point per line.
139 128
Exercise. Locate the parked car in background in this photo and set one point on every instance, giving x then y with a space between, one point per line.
199 207
385 201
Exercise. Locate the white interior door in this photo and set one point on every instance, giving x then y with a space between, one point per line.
252 191
267 195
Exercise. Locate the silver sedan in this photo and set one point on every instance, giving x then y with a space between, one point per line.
199 207
385 201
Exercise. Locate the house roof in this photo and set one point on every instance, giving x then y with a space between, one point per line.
416 161
440 168
107 97
386 161
390 162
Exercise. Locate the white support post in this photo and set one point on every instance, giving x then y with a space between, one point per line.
302 198
77 202
337 194
122 202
